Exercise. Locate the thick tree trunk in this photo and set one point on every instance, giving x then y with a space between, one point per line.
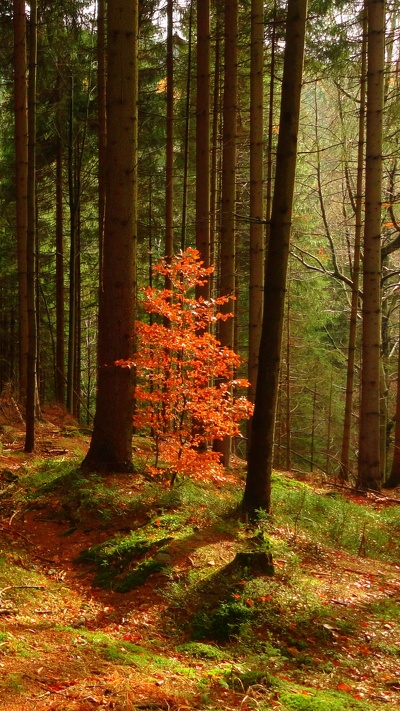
21 164
257 493
369 471
111 444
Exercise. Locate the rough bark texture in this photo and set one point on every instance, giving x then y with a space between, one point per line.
355 297
21 166
256 191
31 389
111 444
258 483
369 471
203 138
228 189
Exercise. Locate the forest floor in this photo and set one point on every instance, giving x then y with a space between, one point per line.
120 593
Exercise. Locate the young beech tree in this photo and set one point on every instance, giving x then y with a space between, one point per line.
185 382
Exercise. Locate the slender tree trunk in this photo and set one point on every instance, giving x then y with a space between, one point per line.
348 409
369 471
72 202
111 444
169 162
214 149
21 163
187 130
60 309
256 193
31 389
228 197
203 139
257 493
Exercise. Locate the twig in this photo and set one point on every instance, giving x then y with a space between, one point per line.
22 587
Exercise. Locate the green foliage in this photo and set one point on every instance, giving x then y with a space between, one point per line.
224 623
114 559
320 701
201 650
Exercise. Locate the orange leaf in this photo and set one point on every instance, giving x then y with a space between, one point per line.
344 687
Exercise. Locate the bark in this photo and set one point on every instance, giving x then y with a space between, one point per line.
394 478
102 134
348 409
203 139
169 162
31 384
21 165
60 310
256 192
111 444
257 493
228 188
369 470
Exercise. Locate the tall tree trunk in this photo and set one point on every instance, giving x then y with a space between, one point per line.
348 408
256 194
369 471
228 188
31 384
60 309
169 162
187 131
111 444
102 133
73 212
257 493
203 139
21 165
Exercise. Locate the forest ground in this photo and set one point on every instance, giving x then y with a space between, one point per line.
154 615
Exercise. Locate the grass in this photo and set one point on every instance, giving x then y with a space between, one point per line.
311 637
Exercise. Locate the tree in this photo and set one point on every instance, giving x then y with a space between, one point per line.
31 384
228 188
258 482
111 443
203 137
369 471
21 163
185 378
256 191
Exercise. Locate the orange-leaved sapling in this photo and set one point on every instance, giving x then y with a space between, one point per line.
186 389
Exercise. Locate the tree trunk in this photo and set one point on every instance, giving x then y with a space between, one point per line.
102 133
111 444
169 161
60 310
348 409
21 164
369 472
31 383
203 140
228 198
257 493
256 194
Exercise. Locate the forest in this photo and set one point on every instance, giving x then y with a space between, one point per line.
199 355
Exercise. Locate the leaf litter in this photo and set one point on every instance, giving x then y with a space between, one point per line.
326 622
